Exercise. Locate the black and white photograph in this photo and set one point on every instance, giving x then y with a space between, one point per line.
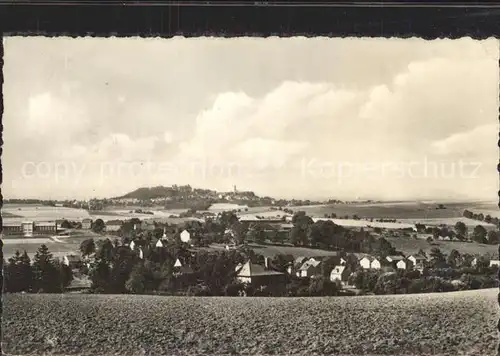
250 196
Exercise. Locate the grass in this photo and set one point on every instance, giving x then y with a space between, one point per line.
431 324
31 245
396 211
272 250
409 245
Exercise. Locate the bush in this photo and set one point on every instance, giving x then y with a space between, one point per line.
199 290
233 289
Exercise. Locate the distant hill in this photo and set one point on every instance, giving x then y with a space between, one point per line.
189 197
147 193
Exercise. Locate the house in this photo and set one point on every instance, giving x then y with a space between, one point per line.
473 263
86 224
59 223
392 261
27 228
180 269
72 261
418 261
403 264
370 262
185 236
294 266
494 263
286 226
311 267
365 262
12 229
340 273
41 228
376 264
113 225
132 245
258 275
159 243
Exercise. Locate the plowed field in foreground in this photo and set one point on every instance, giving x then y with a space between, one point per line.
459 323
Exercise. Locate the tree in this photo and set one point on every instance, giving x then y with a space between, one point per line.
479 234
281 261
493 237
18 273
257 233
467 214
66 225
384 248
326 234
65 274
46 275
322 286
454 259
227 219
87 247
98 226
461 228
300 231
105 251
240 230
99 275
420 227
136 281
124 259
297 236
437 257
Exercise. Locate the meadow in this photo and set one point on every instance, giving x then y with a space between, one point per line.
272 250
58 249
409 245
401 210
20 212
457 323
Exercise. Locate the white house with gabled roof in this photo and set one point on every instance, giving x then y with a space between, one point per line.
185 236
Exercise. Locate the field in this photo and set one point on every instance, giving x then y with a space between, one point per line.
272 250
406 213
449 221
68 245
458 323
406 210
41 213
409 246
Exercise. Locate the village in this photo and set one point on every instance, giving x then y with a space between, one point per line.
343 254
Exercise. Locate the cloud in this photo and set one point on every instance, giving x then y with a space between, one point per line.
50 116
480 142
228 102
424 113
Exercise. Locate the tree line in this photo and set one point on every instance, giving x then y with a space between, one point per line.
42 275
443 273
118 269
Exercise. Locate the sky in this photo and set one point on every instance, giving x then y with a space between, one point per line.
306 118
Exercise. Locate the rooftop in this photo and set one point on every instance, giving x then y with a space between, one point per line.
253 270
